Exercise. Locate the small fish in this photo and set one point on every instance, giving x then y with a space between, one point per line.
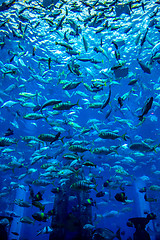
83 185
147 199
146 108
33 116
132 82
50 102
120 102
105 233
27 220
9 132
120 197
85 43
142 147
41 217
38 205
64 44
49 137
144 67
107 100
78 148
45 230
15 233
111 135
7 141
142 190
64 106
100 194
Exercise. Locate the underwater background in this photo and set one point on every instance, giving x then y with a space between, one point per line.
79 117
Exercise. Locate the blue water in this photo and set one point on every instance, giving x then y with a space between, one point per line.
33 75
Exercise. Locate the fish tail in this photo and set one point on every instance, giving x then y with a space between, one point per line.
124 137
95 188
154 148
118 234
77 103
96 128
62 139
81 157
115 120
38 94
46 118
140 117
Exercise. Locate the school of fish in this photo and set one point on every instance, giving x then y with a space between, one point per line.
79 98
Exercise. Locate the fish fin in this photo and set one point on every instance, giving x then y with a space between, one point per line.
118 234
95 188
53 184
62 139
140 117
124 137
77 103
154 148
81 157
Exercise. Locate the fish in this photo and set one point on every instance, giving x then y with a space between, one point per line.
4 141
146 108
100 194
110 135
8 133
64 44
22 203
142 147
40 216
121 197
6 5
45 230
105 233
26 219
83 69
71 85
78 148
50 102
41 182
85 43
34 116
9 104
154 188
132 82
49 137
144 67
83 185
149 199
15 233
102 150
65 105
88 164
71 156
107 100
38 205
31 138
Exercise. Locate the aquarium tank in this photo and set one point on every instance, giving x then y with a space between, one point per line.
79 119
